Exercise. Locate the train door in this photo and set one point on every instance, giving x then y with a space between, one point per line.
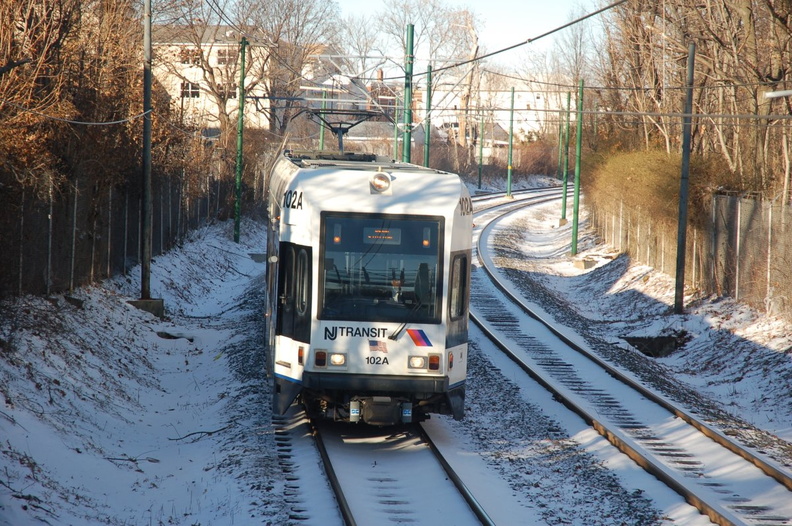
458 299
294 292
270 315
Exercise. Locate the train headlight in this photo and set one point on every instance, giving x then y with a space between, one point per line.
338 359
417 362
380 181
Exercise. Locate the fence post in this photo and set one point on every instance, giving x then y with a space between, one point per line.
21 240
126 230
49 240
769 297
163 244
737 250
140 232
93 249
170 212
614 216
72 264
109 230
695 257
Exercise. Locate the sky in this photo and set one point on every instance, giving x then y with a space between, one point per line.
505 22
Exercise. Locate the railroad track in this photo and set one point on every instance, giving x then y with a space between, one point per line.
393 475
384 475
726 481
348 474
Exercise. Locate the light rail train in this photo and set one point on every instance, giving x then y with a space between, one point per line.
368 287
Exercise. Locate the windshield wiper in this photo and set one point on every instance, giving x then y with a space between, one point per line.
408 319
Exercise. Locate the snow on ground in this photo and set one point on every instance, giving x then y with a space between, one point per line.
111 416
732 355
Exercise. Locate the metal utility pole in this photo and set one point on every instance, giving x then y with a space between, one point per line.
481 150
511 141
408 72
145 214
565 166
396 129
321 124
679 292
146 302
578 149
240 130
560 144
428 119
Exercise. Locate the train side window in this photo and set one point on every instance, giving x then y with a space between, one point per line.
302 282
285 290
457 287
288 275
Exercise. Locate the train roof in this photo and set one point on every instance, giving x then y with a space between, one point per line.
344 181
353 161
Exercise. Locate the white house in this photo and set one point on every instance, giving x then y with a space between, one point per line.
199 68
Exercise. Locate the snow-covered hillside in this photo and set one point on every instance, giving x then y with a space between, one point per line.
112 416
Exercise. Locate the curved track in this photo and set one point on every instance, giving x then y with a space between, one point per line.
725 481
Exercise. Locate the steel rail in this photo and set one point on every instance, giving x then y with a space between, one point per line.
477 509
765 465
332 478
715 512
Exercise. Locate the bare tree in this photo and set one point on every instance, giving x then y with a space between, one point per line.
742 47
360 37
298 31
467 20
33 41
443 37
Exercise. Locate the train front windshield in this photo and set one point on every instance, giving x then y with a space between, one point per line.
381 268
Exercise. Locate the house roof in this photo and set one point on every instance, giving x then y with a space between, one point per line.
174 34
371 130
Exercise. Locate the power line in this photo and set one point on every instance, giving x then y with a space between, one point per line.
573 87
70 121
514 46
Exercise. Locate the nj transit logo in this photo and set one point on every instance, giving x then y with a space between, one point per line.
419 338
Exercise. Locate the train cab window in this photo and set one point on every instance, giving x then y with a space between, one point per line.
379 267
457 289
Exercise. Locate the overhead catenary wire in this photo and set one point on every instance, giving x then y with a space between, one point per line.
561 86
519 44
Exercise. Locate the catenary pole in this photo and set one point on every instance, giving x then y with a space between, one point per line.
578 149
396 130
408 72
560 144
321 124
511 147
565 169
481 150
428 119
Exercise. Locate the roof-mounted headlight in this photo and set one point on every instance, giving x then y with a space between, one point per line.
380 181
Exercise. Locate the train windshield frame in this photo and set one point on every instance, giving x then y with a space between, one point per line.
381 267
